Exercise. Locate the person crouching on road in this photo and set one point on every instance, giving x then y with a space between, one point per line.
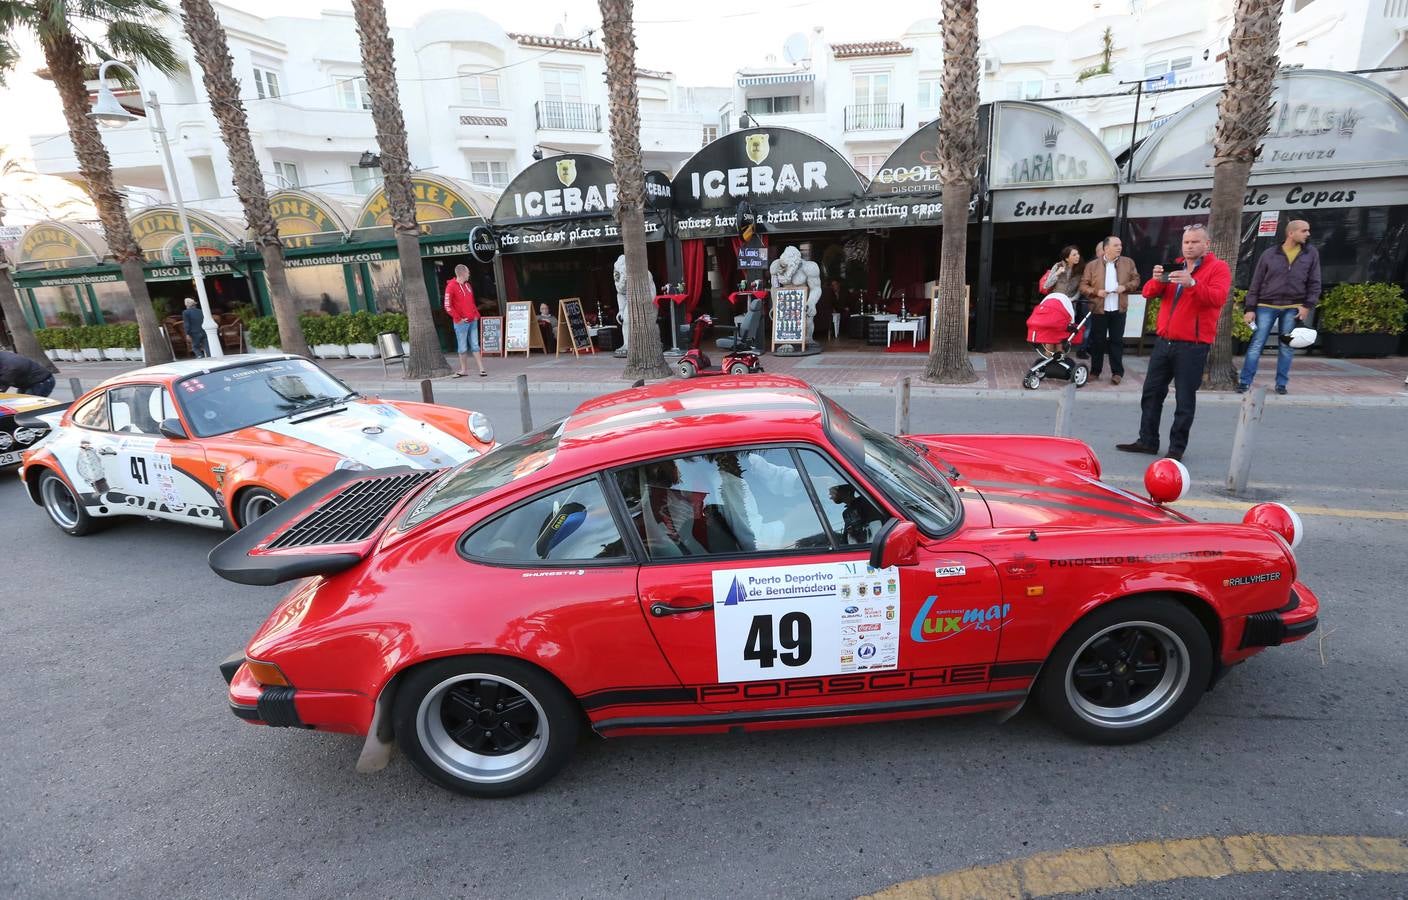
1108 281
1190 300
24 375
193 320
1285 287
464 312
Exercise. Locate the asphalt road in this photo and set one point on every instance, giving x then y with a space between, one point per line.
124 774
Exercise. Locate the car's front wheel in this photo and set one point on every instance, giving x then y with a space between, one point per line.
254 503
63 506
1127 671
486 726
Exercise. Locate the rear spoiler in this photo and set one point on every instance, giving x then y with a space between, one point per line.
323 529
46 418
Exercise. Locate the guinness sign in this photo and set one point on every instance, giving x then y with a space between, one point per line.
482 244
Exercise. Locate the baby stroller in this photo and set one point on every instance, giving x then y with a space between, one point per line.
1053 323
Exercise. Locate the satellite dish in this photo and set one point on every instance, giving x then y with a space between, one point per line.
795 48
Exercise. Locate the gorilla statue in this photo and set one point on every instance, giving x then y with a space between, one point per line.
790 270
618 276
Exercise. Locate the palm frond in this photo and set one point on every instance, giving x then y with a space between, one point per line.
9 58
137 41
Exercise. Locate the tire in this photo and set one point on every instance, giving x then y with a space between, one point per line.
494 759
1173 668
1031 382
687 369
63 506
1080 375
740 368
255 502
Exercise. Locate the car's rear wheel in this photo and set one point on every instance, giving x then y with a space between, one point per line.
63 506
1127 671
255 502
486 726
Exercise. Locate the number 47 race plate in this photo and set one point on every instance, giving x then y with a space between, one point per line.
789 621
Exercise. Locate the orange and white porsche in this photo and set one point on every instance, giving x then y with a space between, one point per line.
220 442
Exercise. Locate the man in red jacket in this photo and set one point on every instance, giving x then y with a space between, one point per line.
1190 300
464 312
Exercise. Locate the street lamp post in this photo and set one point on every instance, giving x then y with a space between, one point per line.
109 111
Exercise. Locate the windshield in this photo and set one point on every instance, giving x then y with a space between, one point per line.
907 479
237 397
496 468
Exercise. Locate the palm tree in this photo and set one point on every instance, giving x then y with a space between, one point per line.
645 358
960 153
130 32
379 65
1243 117
26 344
207 36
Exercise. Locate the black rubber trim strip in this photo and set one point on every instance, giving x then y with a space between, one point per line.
813 712
629 696
231 560
230 665
248 713
276 707
1301 629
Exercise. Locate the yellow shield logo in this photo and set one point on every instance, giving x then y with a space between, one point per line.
756 146
566 171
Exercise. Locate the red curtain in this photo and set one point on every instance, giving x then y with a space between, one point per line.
693 251
510 285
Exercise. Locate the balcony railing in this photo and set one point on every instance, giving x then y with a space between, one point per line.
568 115
865 116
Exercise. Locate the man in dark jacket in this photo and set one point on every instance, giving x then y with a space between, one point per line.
22 374
1107 282
1285 287
194 322
1190 299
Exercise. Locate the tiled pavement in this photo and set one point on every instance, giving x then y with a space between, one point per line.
850 368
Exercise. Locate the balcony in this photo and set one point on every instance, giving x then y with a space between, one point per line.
874 116
567 115
281 125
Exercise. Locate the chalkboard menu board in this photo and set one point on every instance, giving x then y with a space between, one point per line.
789 313
518 327
491 334
572 327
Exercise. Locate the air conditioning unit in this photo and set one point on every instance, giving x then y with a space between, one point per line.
990 65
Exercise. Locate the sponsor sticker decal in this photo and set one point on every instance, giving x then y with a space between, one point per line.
931 625
413 448
950 571
1242 580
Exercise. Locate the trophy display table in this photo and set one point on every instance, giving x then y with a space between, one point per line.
912 326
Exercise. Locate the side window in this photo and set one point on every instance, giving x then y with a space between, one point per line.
566 526
94 413
744 501
137 408
852 515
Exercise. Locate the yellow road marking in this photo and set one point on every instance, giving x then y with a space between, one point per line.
1331 511
1127 865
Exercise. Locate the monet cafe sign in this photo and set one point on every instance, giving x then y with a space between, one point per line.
569 201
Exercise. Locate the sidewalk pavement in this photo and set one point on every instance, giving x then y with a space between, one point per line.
1315 380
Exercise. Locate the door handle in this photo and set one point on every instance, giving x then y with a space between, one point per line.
106 451
664 609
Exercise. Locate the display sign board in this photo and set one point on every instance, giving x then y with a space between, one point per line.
521 333
482 244
572 331
1268 223
570 201
753 257
1054 204
1287 199
907 188
491 334
1034 145
789 313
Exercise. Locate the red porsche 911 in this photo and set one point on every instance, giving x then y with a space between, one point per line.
742 553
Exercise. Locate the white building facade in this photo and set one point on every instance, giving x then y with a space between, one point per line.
478 104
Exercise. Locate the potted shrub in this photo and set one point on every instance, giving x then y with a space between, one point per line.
264 335
360 331
1361 319
324 336
50 339
125 342
88 339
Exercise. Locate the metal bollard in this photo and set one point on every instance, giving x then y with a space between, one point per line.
1065 410
76 387
1240 469
525 411
902 405
427 394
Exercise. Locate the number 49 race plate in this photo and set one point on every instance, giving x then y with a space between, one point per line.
788 621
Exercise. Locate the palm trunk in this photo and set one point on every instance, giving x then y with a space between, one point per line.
207 37
64 57
959 156
379 64
1243 117
645 358
26 344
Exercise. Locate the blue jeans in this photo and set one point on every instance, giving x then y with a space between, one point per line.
1265 316
39 389
467 336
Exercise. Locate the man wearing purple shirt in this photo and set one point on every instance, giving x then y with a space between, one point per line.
1285 287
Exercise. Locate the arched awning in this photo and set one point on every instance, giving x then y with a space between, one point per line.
570 201
307 219
443 206
59 245
793 181
158 233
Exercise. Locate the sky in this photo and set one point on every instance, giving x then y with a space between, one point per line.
702 42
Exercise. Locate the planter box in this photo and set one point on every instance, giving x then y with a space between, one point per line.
1333 344
132 354
330 351
265 351
92 354
63 355
363 351
53 354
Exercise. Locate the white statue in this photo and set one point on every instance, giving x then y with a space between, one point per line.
790 270
618 275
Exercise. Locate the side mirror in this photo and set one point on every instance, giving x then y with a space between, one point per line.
172 428
897 544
